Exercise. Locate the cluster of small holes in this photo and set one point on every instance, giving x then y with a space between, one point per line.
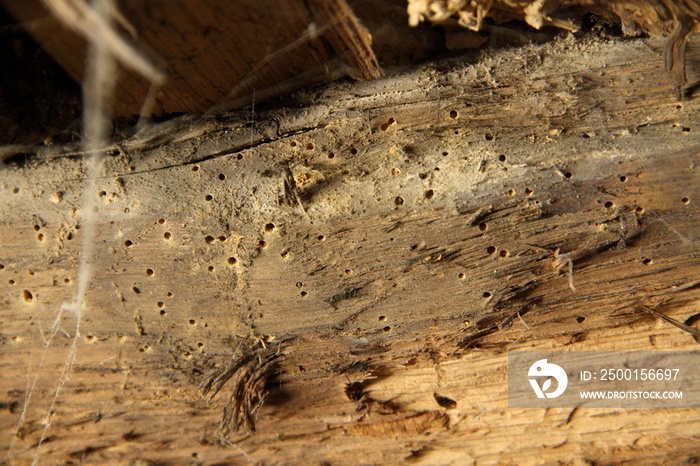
161 305
145 348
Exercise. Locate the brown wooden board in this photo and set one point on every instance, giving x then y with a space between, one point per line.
227 54
367 258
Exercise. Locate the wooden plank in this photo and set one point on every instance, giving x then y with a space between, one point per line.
353 238
225 54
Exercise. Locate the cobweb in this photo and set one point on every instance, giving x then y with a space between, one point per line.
101 24
106 47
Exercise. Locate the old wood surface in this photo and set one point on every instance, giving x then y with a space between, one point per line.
380 244
215 52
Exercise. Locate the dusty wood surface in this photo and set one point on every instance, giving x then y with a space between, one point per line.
379 244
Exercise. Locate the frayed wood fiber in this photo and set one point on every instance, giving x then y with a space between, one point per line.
676 20
251 368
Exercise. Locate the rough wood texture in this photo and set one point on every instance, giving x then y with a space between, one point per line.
384 245
218 53
677 19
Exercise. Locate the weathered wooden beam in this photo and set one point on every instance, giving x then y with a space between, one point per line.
212 53
361 258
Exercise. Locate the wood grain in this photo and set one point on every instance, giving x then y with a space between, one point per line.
218 54
391 241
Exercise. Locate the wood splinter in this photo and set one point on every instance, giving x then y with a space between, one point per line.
562 260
